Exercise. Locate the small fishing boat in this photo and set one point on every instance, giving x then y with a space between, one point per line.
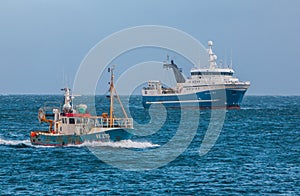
74 125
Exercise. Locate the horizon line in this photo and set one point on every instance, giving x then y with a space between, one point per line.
41 94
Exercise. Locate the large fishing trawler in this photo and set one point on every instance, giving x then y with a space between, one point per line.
74 125
212 87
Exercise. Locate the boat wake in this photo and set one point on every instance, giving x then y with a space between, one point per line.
119 144
16 143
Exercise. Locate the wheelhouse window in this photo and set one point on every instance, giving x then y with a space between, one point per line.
78 120
211 73
71 121
227 73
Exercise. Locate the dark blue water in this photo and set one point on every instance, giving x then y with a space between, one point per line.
257 152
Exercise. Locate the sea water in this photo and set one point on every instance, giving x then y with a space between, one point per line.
257 152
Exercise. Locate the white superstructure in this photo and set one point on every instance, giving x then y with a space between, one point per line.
201 81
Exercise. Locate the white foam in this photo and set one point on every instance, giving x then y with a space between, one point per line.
120 144
21 142
14 142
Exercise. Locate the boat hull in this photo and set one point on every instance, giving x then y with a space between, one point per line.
49 139
228 98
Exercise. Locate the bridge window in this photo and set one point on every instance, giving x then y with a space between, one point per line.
71 121
78 120
211 73
226 73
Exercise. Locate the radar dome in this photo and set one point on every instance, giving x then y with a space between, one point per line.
210 43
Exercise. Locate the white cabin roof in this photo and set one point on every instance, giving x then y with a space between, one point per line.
215 70
153 81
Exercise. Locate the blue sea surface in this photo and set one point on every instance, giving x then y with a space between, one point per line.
257 152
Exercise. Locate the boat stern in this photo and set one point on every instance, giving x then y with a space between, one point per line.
33 137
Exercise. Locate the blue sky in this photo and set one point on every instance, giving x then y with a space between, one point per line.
44 41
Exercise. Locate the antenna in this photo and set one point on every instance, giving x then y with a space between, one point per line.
230 59
65 78
226 58
200 62
63 75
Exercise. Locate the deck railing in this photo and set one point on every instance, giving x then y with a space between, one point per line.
116 122
101 122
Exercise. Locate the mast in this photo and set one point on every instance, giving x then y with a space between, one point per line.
68 106
230 59
212 56
111 91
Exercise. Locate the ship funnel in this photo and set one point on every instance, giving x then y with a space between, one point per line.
178 75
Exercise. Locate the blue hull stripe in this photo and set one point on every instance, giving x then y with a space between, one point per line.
229 98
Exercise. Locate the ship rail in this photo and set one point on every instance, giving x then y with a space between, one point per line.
117 123
101 122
